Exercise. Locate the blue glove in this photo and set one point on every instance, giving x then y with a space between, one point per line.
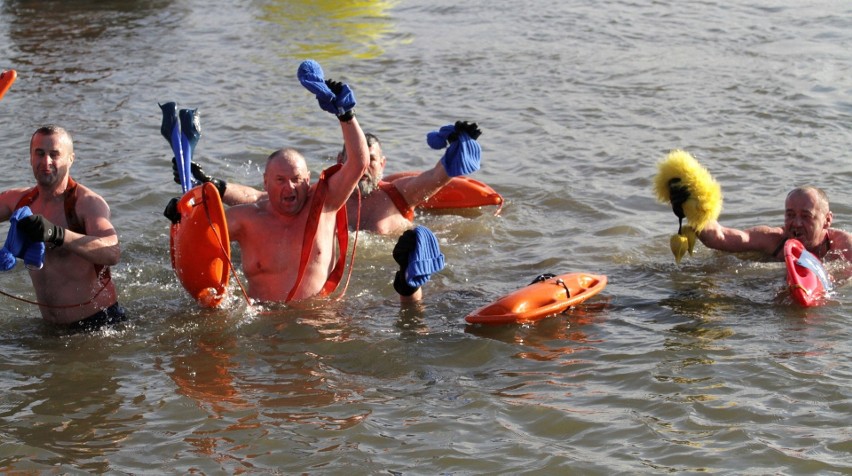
17 245
332 96
464 154
34 255
419 256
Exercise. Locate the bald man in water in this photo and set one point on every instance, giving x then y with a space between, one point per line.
807 218
270 231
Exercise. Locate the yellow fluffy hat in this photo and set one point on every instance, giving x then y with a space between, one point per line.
679 171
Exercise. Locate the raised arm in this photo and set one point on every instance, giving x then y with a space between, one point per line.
338 99
416 189
461 158
343 183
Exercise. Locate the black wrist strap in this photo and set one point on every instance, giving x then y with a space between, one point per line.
347 116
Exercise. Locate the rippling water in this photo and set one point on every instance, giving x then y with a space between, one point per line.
700 368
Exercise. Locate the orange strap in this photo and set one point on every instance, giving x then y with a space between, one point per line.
74 223
70 205
342 235
398 200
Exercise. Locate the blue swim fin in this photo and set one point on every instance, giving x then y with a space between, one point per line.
171 130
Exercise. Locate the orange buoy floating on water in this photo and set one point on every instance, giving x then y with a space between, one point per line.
461 192
540 299
6 80
200 245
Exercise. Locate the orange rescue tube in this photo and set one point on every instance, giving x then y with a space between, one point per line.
200 245
540 299
461 192
6 80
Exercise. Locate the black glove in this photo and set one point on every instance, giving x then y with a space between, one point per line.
401 252
200 176
171 211
678 194
337 88
471 128
404 246
39 228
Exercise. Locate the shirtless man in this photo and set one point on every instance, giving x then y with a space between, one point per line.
386 208
74 285
271 230
807 218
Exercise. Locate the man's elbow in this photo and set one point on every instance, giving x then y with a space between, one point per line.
113 255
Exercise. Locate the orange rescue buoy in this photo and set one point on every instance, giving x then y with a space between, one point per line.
540 299
6 80
200 245
461 192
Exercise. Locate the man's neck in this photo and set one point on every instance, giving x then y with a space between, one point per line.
53 191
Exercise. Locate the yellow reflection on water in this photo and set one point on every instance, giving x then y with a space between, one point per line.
323 29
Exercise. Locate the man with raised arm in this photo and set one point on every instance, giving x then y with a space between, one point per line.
287 238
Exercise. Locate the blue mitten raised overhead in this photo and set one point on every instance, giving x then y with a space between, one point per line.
332 96
17 245
464 154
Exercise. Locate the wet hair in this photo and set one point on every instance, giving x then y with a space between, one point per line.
49 130
823 197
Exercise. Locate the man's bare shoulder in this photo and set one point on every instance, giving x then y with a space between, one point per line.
840 237
8 200
13 195
85 193
90 204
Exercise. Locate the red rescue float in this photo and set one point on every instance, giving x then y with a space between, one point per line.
808 280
